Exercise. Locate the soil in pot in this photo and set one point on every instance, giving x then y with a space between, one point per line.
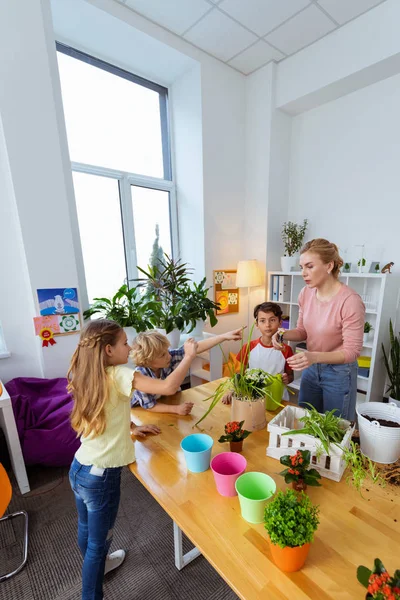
382 422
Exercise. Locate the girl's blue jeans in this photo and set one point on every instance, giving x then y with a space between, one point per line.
97 495
330 386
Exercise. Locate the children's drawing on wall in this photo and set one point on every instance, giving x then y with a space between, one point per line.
226 294
58 301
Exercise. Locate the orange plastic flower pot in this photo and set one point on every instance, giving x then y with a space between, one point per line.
289 559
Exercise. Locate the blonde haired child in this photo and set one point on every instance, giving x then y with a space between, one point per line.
156 362
101 386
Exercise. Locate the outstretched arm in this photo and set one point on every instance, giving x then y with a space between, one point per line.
170 385
234 336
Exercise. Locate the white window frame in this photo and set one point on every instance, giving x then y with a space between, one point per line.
127 179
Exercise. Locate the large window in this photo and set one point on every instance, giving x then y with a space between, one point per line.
117 129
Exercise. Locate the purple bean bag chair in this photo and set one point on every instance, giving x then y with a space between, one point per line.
41 409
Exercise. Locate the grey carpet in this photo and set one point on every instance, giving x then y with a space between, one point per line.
54 562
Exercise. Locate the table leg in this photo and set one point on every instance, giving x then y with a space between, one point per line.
14 447
181 560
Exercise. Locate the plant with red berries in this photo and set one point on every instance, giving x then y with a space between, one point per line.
298 468
234 432
380 585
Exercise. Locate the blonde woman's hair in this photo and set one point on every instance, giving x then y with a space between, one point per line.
327 252
87 378
147 346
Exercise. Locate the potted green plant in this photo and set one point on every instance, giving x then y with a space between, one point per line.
298 472
377 268
164 283
326 428
378 582
126 307
197 307
292 237
234 434
347 267
392 364
367 329
290 520
363 265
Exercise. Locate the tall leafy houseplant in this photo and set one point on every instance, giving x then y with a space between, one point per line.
164 283
126 308
292 236
196 304
392 363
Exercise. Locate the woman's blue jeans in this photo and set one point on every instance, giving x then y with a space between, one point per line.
330 386
97 494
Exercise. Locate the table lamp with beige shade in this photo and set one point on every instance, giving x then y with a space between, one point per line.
248 275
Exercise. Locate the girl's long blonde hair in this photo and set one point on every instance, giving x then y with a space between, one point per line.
87 377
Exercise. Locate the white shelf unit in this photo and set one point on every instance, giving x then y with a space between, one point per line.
380 295
213 356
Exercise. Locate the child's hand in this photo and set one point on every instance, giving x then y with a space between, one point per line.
227 399
141 430
190 347
285 378
234 335
185 408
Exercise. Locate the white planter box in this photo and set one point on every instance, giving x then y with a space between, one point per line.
331 467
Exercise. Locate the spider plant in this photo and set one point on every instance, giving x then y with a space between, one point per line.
361 467
327 428
248 384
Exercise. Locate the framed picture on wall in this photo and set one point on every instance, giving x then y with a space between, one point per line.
225 291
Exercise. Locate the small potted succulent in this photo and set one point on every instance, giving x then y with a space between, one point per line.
234 434
367 329
298 473
290 520
379 583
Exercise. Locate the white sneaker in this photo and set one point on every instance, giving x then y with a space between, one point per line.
114 560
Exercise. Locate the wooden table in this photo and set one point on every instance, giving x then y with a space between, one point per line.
352 531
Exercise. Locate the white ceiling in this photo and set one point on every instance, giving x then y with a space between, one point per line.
248 34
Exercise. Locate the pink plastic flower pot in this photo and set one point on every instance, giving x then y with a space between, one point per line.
227 467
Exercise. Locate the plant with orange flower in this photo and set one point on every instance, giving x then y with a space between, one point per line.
380 585
298 468
234 432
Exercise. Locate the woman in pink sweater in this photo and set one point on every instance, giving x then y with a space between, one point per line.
331 320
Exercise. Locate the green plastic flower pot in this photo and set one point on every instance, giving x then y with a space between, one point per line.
276 390
254 490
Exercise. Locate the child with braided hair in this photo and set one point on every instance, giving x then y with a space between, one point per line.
101 386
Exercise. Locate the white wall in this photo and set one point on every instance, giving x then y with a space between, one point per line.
16 303
362 52
187 154
39 176
345 175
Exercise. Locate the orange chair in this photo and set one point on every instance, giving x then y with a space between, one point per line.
5 498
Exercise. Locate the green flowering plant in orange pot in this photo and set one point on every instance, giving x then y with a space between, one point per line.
380 585
234 434
298 473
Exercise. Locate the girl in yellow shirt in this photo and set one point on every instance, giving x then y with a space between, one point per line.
101 386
